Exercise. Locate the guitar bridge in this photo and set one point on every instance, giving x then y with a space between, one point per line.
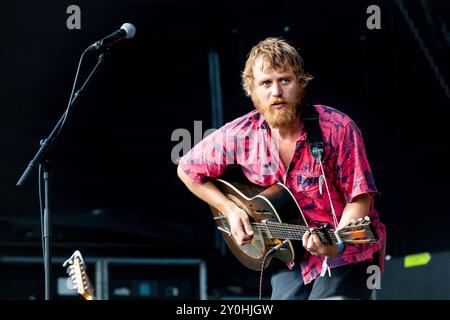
267 230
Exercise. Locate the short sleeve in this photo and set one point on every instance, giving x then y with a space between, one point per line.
354 176
209 158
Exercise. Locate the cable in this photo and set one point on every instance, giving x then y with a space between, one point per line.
59 130
272 250
71 93
40 208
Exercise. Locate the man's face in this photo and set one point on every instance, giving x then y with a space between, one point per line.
276 94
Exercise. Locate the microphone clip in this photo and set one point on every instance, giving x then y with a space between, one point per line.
97 46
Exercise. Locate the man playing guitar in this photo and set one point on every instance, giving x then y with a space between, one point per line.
270 145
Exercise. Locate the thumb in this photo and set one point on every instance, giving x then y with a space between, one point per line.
248 227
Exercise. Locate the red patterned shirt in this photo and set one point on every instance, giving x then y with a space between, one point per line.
247 141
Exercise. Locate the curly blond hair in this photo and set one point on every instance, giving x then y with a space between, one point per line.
277 53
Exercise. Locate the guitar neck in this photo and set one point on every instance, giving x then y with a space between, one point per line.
88 292
88 296
292 231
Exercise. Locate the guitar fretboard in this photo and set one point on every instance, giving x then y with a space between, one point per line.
291 231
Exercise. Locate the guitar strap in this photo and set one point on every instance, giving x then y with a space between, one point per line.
310 118
316 146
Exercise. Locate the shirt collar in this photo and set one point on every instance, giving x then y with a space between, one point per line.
258 120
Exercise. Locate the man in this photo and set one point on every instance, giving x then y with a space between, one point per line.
275 79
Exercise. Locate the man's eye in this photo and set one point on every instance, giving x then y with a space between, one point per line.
285 81
266 83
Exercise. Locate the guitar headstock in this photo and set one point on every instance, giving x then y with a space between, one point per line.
358 232
76 269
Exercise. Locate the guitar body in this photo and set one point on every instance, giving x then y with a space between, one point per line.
263 205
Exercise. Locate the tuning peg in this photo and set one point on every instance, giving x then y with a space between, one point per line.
366 219
360 221
352 222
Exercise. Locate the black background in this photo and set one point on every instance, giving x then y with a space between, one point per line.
114 189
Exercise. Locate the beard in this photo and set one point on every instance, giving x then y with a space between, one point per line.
278 118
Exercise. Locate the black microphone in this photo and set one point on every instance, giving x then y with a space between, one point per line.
126 31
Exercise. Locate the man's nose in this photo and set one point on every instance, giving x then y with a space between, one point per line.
276 90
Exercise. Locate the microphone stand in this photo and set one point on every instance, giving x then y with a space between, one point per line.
42 159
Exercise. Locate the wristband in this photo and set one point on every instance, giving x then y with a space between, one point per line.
341 247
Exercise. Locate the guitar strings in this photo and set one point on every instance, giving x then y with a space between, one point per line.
292 232
286 231
288 227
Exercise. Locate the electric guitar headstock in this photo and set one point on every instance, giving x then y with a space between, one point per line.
357 232
76 269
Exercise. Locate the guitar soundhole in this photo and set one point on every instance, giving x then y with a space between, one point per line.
256 248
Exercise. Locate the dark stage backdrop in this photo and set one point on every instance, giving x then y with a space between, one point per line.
114 189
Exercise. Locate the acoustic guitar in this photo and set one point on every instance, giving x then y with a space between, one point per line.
276 219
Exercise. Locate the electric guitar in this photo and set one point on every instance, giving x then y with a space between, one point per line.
276 219
76 269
